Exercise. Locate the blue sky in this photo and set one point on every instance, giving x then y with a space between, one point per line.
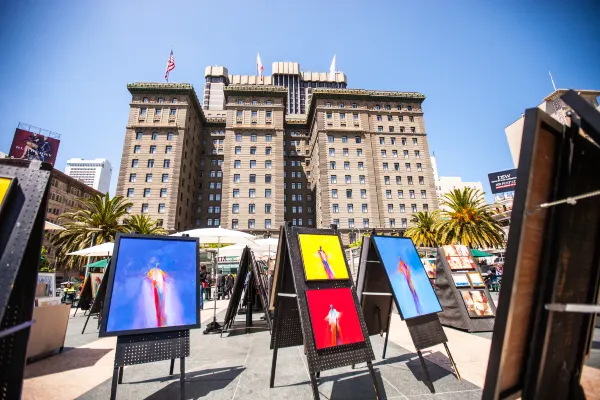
479 63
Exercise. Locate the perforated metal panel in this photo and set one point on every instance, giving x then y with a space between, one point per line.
426 331
139 349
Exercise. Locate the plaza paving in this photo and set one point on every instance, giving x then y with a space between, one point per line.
237 366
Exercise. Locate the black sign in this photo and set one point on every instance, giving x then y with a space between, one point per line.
503 181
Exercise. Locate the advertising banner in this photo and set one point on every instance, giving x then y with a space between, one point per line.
34 146
503 181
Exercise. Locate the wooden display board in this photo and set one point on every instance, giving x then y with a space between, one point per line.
456 288
311 271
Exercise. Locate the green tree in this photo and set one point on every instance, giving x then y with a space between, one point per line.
143 224
423 232
96 221
468 220
44 263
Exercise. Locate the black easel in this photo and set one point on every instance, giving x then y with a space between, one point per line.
291 322
261 287
98 303
86 295
146 348
238 290
374 289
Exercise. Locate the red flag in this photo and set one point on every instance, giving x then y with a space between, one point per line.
170 66
259 66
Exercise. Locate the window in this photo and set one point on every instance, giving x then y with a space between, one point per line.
409 108
268 178
345 152
250 224
330 139
132 177
381 140
130 192
400 194
411 118
238 149
254 114
354 105
235 224
235 209
417 154
421 180
138 136
154 135
211 197
161 208
329 115
332 165
396 166
267 209
365 222
358 152
407 166
411 194
143 111
348 179
168 149
240 101
240 113
355 116
365 208
413 208
410 180
404 223
236 178
412 129
419 167
361 165
268 102
405 153
425 207
386 180
269 114
167 163
333 179
253 150
348 193
267 224
392 222
267 193
361 179
268 137
346 164
294 209
238 137
390 208
383 153
150 163
380 128
332 152
170 136
144 208
251 208
148 177
403 141
363 193
251 193
357 139
328 105
252 178
344 139
402 208
334 193
335 208
237 164
268 151
342 115
390 129
137 148
350 208
395 153
165 178
398 180
388 194
163 192
423 194
157 111
145 99
236 193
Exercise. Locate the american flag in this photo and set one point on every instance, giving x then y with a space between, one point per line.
170 66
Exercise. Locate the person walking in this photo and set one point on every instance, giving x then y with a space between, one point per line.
202 284
228 285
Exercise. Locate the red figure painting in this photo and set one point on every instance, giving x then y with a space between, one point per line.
333 317
405 272
157 278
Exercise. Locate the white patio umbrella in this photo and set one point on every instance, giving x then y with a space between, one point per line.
49 226
218 236
101 250
230 251
268 244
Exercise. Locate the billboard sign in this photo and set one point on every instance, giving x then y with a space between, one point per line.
503 181
28 145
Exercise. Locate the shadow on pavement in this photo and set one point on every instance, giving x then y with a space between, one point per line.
355 385
73 359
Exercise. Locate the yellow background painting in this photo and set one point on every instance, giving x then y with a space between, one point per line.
4 184
323 257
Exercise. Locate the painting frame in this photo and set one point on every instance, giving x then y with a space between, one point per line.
466 283
480 283
95 287
52 276
460 263
430 287
331 236
6 196
473 314
110 284
457 250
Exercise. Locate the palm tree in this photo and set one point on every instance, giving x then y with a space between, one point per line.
143 224
423 232
97 221
468 220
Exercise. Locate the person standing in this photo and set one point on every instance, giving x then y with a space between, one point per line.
228 285
220 286
202 284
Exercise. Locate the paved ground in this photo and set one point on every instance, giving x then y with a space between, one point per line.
237 366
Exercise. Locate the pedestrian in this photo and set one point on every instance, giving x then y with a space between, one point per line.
220 286
228 285
208 287
202 284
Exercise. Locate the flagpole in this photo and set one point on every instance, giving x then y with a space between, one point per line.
552 79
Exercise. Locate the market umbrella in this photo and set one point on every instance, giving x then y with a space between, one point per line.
98 264
479 253
49 226
218 236
101 250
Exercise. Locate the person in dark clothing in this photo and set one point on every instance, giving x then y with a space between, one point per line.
228 285
202 283
220 286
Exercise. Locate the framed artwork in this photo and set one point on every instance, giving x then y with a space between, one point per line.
429 264
461 280
477 303
49 279
410 284
322 257
95 280
456 250
476 279
6 186
333 317
460 263
152 285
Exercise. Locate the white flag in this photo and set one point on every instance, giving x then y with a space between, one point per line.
332 70
259 66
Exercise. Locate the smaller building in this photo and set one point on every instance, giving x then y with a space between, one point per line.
94 173
445 184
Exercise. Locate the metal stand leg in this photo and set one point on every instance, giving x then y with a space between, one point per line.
172 366
273 365
375 385
318 374
86 322
120 375
387 333
428 381
315 387
181 377
379 320
452 361
115 380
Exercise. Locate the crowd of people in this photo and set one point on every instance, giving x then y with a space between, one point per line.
222 282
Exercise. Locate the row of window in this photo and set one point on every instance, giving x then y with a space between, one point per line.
342 116
365 224
254 102
359 153
358 139
407 167
138 149
154 136
268 150
147 192
335 208
161 208
254 113
360 164
235 209
401 130
254 137
377 106
160 100
363 194
166 163
157 111
238 164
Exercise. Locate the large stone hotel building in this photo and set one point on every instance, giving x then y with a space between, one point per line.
294 146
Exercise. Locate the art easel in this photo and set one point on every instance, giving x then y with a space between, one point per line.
260 285
86 295
377 295
291 321
98 303
22 210
238 291
455 313
551 277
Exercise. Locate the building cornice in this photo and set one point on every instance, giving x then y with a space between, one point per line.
244 90
362 94
559 92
